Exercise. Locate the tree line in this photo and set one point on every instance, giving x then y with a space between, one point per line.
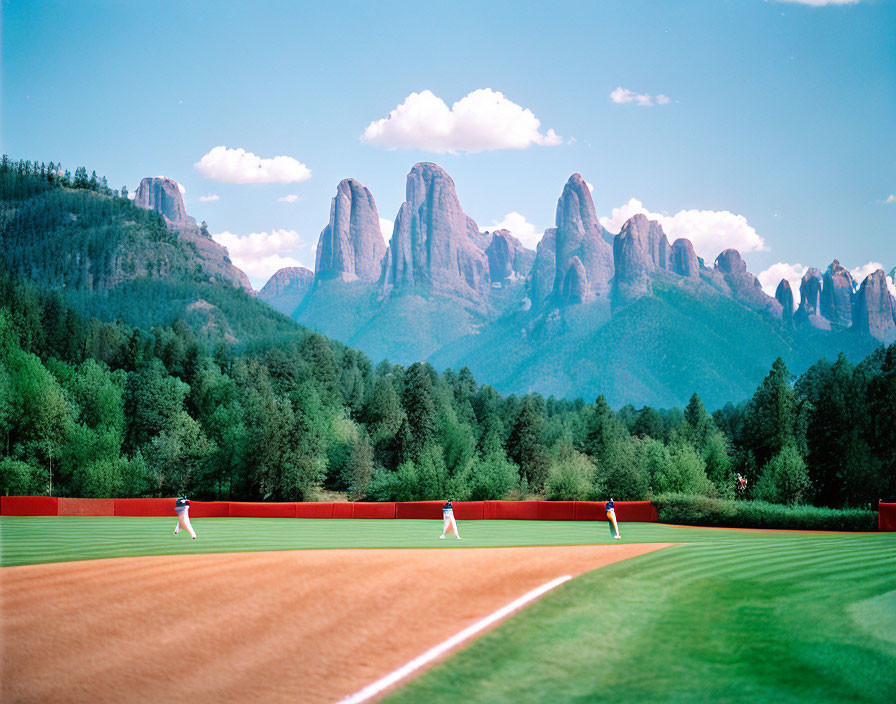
91 408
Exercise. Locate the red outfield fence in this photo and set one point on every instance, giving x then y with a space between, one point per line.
643 511
886 516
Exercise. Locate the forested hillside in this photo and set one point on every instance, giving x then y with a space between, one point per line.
99 397
113 260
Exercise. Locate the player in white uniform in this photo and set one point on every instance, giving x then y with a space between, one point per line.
611 519
182 509
448 520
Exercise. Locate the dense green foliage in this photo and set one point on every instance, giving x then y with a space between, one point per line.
156 404
688 509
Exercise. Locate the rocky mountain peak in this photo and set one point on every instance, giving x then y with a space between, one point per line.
639 250
730 272
351 246
874 312
286 288
809 312
578 235
163 196
837 295
508 260
683 260
432 242
784 296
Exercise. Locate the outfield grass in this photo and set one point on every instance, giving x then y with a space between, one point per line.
729 616
737 617
26 540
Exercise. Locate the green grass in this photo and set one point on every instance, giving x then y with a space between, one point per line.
728 616
28 540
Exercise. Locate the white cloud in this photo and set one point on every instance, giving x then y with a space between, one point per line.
291 198
590 186
481 121
821 3
519 227
240 166
624 95
386 227
710 231
771 277
210 198
260 254
891 199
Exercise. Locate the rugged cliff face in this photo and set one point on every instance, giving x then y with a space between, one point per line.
837 295
874 312
784 296
582 254
684 260
808 315
351 246
432 245
508 260
639 250
163 196
286 288
730 271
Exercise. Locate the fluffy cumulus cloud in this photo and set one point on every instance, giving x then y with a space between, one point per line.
891 198
519 227
210 198
260 254
481 121
624 95
240 166
710 231
291 198
386 228
771 277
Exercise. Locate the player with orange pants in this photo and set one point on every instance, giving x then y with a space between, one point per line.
611 519
448 520
182 509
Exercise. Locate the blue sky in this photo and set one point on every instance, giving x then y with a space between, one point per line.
776 128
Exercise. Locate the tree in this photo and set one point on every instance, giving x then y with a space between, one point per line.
359 468
685 473
525 446
152 400
420 411
785 479
771 421
571 477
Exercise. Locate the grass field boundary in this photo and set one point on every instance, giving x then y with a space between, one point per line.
437 651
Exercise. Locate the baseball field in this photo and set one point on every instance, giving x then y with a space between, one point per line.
119 609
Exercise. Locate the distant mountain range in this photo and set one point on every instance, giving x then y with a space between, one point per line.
628 315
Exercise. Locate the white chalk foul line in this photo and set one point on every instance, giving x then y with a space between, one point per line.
443 647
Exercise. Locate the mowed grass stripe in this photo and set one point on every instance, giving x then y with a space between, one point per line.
27 540
751 618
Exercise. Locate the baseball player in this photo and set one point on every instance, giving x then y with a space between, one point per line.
611 519
449 522
182 509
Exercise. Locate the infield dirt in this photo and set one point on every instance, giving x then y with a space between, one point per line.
298 626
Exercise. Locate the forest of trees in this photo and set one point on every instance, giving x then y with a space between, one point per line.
89 408
95 408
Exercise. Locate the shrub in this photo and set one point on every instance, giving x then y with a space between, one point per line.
570 478
684 509
785 479
22 479
493 477
685 473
